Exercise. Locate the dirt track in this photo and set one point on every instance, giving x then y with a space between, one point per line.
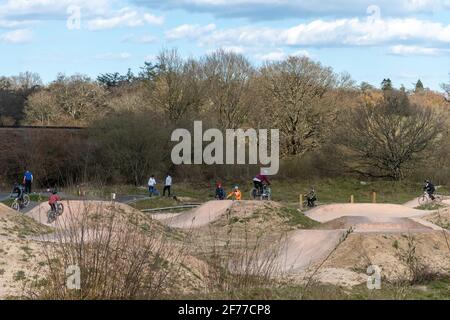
302 248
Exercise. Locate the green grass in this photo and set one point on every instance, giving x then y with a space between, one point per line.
19 276
339 190
430 206
296 218
438 289
33 198
328 190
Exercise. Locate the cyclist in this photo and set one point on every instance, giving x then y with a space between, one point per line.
220 193
20 191
259 182
311 197
53 200
430 189
236 193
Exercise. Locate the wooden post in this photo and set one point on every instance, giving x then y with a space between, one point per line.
374 197
301 201
352 199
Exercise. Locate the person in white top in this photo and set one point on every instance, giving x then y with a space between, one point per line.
167 185
152 185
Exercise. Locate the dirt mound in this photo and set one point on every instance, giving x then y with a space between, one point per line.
4 210
334 211
373 224
20 256
75 211
200 216
306 247
440 218
391 251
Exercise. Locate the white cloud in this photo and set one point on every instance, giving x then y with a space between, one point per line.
402 50
144 38
9 24
51 8
17 36
189 31
280 54
321 33
279 9
152 19
125 17
113 56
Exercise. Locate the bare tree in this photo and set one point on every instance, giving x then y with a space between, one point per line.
74 100
293 92
228 80
176 87
446 87
386 139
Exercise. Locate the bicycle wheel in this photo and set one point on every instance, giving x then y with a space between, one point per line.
423 199
15 206
60 209
51 216
438 198
26 200
254 194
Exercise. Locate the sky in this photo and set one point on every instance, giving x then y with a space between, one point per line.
403 40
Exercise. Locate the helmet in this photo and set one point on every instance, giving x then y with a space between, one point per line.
236 187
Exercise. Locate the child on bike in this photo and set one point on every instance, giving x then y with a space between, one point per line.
53 200
220 193
311 197
19 190
236 193
430 189
259 182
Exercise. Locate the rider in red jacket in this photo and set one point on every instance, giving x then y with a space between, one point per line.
259 181
54 198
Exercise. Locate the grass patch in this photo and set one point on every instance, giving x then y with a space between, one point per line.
19 276
296 218
435 290
431 206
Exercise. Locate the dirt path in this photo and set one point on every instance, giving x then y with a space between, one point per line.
198 217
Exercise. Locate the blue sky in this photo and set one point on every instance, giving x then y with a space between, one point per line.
400 39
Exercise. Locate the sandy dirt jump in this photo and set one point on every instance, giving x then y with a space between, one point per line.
334 211
74 212
198 217
305 247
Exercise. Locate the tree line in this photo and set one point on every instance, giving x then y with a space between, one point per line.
329 125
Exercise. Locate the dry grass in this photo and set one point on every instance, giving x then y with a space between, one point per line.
120 256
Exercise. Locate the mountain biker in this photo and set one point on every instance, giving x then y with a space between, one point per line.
311 197
220 193
430 189
236 193
19 189
259 182
53 200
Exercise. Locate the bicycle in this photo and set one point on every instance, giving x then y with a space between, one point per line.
52 215
17 204
425 198
266 194
306 203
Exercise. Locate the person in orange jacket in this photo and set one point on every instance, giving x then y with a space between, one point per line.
236 193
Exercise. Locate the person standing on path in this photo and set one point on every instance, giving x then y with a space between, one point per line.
151 185
167 185
28 181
